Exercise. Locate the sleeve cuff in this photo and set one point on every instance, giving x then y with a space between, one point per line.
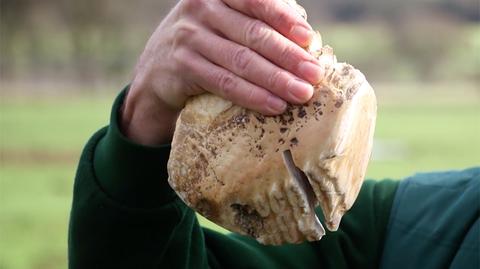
133 175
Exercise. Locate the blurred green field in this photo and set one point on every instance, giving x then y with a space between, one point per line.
41 139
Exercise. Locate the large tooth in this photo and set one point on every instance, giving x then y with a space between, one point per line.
262 176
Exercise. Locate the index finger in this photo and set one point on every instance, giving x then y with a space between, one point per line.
279 15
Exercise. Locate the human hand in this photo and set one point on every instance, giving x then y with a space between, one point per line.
247 51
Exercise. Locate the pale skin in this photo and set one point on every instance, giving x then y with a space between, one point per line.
246 51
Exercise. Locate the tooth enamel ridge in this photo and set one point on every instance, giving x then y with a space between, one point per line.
263 176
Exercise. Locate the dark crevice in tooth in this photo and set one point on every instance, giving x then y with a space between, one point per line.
315 230
300 177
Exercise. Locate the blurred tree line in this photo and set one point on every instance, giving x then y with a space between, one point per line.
97 40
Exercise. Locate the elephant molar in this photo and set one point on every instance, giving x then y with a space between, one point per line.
263 176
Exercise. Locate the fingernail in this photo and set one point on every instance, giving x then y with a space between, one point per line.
300 91
302 35
275 104
311 72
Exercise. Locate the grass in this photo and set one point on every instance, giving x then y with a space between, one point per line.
41 140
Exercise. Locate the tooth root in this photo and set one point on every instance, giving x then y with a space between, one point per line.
331 197
296 234
288 229
271 227
263 239
282 222
297 200
317 233
275 237
268 239
335 218
262 206
277 202
321 231
274 223
300 209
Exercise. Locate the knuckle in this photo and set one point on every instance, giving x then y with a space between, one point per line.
251 98
283 18
194 5
275 79
200 8
256 33
182 60
254 97
255 4
185 31
288 55
227 84
242 58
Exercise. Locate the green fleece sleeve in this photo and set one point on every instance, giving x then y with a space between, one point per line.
125 215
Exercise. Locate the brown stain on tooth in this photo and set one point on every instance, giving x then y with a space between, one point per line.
248 219
294 141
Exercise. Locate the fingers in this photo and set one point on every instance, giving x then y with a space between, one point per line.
278 14
247 64
267 42
226 84
228 47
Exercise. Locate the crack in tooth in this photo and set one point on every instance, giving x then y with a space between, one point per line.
307 223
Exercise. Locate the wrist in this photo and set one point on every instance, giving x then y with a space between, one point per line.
146 119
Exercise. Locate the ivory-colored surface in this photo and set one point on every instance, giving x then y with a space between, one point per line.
263 176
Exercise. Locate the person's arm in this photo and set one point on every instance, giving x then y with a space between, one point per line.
125 215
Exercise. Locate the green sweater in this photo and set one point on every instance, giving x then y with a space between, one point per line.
125 215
